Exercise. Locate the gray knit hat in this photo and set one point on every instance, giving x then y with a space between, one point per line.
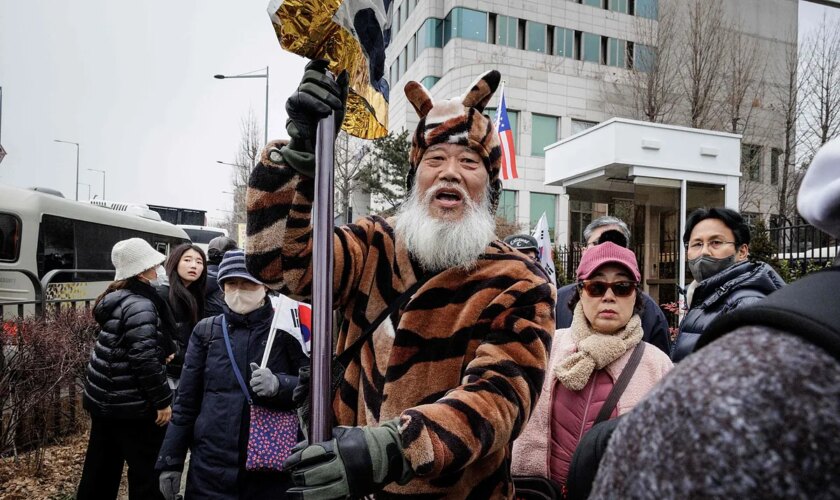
133 256
233 266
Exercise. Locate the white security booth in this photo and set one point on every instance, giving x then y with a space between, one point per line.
651 176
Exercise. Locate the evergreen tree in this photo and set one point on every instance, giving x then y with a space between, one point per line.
385 172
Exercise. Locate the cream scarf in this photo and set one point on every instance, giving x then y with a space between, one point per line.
595 351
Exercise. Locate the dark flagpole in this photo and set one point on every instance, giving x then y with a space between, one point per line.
320 426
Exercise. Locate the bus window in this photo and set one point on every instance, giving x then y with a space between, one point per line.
202 235
55 244
94 243
10 228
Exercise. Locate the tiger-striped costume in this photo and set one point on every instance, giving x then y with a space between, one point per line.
461 364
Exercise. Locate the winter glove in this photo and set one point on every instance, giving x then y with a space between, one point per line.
301 398
317 97
169 484
263 382
356 462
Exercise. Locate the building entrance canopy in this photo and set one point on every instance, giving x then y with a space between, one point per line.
664 170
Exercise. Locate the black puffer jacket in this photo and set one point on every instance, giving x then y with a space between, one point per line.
214 301
741 284
126 377
181 332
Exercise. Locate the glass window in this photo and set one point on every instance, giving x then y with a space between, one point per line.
396 23
775 155
411 46
430 81
564 43
751 161
430 34
403 13
465 23
581 125
543 203
403 63
619 6
593 3
536 36
394 72
543 133
98 256
616 52
55 245
591 48
10 234
506 31
644 57
507 205
581 216
647 8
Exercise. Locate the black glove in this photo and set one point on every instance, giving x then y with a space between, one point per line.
356 462
317 97
301 398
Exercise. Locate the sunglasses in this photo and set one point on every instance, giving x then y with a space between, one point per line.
599 288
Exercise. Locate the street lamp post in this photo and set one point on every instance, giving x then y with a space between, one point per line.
88 186
103 180
248 75
77 164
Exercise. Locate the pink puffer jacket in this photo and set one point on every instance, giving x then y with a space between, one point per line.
545 448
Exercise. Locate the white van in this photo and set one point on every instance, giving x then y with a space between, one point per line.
201 235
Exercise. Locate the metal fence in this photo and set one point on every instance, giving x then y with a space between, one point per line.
803 247
57 414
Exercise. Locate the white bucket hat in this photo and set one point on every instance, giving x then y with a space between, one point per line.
133 256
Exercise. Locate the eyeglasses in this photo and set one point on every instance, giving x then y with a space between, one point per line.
599 288
696 247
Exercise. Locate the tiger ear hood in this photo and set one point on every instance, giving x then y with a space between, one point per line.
459 120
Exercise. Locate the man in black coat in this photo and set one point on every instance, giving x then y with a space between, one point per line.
213 300
654 323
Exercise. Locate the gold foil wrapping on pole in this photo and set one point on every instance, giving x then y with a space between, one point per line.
307 28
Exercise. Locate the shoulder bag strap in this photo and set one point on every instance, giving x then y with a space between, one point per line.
233 361
349 353
621 383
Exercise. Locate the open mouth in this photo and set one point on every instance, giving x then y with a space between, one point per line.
448 197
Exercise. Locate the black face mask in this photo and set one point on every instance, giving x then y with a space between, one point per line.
705 267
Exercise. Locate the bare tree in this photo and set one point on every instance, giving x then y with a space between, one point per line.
821 72
743 80
787 107
246 157
350 156
650 88
655 70
707 34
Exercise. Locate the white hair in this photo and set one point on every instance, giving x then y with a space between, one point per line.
440 244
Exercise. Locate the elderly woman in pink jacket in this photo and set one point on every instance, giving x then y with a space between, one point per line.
589 363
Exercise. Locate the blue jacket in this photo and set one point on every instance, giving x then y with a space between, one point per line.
738 285
211 416
654 323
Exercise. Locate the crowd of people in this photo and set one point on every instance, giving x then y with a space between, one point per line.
468 374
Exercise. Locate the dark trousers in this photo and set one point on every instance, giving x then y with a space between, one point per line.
112 443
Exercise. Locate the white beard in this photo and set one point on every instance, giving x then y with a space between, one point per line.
443 244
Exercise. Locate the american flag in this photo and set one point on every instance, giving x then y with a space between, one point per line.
506 138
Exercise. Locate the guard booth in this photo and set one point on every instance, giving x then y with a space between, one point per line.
651 176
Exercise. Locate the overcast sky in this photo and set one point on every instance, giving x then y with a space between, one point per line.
132 82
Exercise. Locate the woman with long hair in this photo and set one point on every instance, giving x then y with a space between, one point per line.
126 392
184 293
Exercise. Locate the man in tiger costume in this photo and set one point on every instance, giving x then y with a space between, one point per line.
431 401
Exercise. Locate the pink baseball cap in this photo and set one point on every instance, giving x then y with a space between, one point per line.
607 253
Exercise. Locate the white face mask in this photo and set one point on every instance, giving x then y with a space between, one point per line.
160 280
244 301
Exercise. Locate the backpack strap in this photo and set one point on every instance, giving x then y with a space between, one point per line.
621 383
806 308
